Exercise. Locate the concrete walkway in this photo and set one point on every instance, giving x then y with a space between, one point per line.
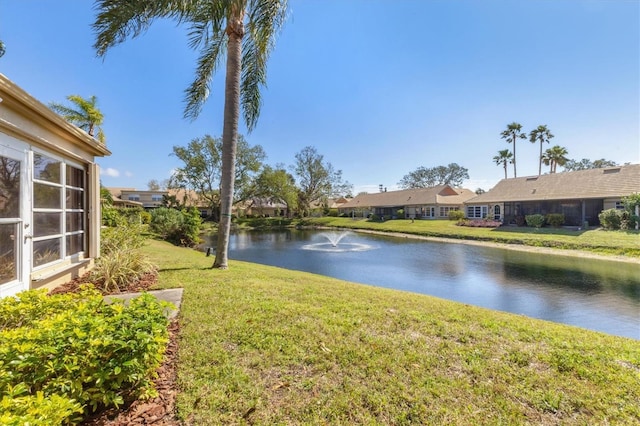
172 295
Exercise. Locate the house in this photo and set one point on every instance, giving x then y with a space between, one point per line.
579 195
49 195
420 203
150 199
261 207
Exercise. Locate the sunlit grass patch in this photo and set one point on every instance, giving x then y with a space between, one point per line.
265 345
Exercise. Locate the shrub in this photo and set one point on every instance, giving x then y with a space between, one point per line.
165 221
456 215
535 220
610 219
74 350
555 219
124 237
115 271
483 223
180 227
332 213
111 216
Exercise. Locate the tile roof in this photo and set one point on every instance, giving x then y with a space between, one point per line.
595 183
437 195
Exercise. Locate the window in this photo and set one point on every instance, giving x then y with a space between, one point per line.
59 206
619 205
156 197
476 212
444 211
133 197
496 212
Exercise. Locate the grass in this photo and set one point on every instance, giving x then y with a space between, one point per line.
263 345
620 243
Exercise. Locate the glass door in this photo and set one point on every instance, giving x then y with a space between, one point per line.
14 222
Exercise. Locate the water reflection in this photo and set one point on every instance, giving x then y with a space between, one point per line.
595 294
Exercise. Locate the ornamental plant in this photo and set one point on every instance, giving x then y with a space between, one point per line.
77 353
534 220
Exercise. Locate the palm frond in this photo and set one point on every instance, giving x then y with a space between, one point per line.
196 94
117 20
264 21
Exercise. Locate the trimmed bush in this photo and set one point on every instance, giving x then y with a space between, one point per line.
73 352
456 215
534 220
555 219
610 219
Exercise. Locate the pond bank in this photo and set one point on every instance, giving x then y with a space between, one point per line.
518 247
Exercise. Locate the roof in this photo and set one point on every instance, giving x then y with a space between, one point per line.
437 195
594 183
15 98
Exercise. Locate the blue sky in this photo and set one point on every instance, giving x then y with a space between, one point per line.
379 87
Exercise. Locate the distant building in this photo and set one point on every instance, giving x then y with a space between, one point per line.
580 196
420 203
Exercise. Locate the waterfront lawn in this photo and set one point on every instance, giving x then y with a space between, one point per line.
264 345
623 243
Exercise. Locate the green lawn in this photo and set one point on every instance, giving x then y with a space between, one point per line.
263 345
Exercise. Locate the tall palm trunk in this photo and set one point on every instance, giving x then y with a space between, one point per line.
515 175
505 169
235 32
540 160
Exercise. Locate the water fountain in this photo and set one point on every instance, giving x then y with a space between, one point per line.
334 243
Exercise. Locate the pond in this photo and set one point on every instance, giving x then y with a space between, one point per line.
594 294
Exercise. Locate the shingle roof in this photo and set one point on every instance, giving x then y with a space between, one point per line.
437 195
595 183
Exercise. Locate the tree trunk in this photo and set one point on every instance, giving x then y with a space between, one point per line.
235 32
515 175
540 160
505 169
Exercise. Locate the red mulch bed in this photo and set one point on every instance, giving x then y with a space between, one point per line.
159 411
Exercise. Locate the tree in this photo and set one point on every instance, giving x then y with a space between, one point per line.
155 185
276 185
202 168
503 158
423 177
245 29
512 134
540 134
317 180
84 113
586 164
200 171
554 157
2 49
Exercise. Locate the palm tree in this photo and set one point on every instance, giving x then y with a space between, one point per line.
246 29
503 158
554 157
84 114
2 49
540 134
513 133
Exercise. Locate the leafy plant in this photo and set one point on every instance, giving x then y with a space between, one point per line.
73 351
534 220
555 219
124 237
114 271
610 219
456 215
180 227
